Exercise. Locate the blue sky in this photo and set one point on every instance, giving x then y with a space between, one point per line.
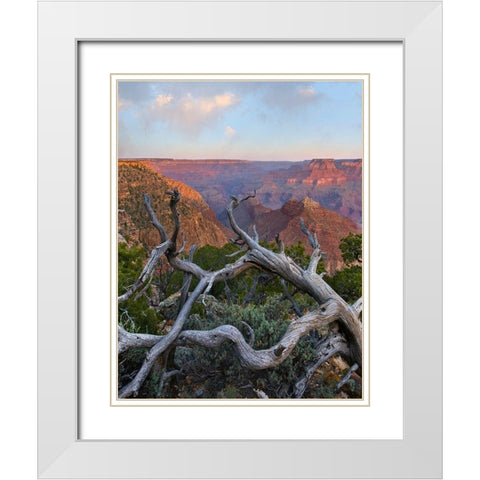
252 120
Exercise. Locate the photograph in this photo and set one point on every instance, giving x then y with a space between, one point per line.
239 239
240 208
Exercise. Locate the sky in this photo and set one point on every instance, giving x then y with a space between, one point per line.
250 120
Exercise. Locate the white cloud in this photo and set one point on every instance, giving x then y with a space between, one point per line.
229 131
188 112
207 105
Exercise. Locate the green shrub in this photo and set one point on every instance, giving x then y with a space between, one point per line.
134 315
347 283
217 373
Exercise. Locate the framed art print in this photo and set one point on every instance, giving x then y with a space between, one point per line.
252 133
306 108
250 193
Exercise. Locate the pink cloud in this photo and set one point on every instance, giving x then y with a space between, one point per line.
162 100
188 112
230 131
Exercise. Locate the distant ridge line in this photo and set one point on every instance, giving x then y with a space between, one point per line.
146 159
166 159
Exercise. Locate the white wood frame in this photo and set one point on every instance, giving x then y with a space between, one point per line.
61 26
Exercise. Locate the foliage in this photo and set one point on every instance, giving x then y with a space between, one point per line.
271 286
217 373
134 315
237 289
215 258
348 282
351 247
130 264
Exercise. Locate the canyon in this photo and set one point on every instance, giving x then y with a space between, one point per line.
285 195
329 226
334 184
199 223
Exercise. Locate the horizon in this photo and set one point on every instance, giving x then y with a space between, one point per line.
200 159
282 121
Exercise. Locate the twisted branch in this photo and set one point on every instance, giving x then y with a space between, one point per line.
154 219
358 306
273 356
174 199
346 378
332 344
317 253
187 280
290 298
161 346
147 272
249 358
331 306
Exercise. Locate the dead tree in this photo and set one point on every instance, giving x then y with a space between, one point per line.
344 338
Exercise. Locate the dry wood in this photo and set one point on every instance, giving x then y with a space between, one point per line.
250 358
334 343
347 376
331 307
162 345
147 272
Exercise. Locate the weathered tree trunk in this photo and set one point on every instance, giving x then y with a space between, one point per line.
331 307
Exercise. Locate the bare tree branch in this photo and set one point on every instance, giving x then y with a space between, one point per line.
358 305
332 308
187 281
317 253
251 340
281 246
311 239
260 393
234 254
251 293
147 271
127 340
250 358
174 199
304 280
290 298
346 378
165 341
255 233
273 356
182 248
251 243
154 219
332 344
165 377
